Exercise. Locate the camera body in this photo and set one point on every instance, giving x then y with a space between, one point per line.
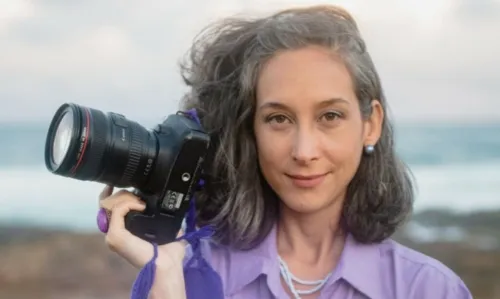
163 165
181 140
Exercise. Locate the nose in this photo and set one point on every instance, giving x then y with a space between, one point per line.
305 147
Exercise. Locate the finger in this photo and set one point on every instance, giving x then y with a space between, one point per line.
109 202
121 208
106 192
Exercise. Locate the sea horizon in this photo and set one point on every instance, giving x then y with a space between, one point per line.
456 168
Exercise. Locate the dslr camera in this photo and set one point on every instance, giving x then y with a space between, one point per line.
162 165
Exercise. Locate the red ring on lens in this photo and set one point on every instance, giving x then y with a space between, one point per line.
85 141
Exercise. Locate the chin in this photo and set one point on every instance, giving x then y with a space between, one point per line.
305 204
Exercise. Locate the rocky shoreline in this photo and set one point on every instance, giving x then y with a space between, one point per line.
61 265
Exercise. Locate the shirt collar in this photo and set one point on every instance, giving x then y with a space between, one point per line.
248 265
358 266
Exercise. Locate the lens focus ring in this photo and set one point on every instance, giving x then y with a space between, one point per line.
134 155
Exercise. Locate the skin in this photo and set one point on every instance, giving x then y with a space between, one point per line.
308 123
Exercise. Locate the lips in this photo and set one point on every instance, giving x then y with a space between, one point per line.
306 181
305 177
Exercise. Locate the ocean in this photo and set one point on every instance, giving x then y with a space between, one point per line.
455 166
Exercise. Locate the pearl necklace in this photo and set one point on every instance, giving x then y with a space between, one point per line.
289 278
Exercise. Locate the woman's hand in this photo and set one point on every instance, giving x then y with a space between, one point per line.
134 249
169 278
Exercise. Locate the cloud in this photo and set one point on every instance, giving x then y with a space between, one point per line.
13 12
437 59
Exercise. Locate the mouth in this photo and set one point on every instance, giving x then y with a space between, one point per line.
306 181
305 177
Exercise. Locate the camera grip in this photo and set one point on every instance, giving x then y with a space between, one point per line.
157 228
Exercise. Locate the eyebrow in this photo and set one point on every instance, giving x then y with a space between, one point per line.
321 104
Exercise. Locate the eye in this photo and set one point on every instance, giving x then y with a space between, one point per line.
331 116
277 118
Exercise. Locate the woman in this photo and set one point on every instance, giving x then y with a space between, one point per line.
305 188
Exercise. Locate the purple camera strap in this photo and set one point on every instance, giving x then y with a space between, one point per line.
201 280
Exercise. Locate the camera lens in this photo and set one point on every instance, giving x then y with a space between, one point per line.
87 144
62 138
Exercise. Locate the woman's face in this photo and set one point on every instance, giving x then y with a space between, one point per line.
308 126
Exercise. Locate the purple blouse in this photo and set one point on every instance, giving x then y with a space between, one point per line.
383 271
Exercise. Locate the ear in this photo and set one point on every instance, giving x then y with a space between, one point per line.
373 124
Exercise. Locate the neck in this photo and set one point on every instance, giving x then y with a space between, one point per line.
311 239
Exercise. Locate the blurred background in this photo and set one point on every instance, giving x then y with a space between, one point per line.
439 64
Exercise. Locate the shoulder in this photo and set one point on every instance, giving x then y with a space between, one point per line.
220 257
419 275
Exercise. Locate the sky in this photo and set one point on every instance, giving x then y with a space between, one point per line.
438 59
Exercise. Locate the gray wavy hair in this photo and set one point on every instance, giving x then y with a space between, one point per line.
222 70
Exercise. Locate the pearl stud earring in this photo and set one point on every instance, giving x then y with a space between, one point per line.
369 149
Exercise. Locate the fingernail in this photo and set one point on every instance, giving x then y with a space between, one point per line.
102 220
